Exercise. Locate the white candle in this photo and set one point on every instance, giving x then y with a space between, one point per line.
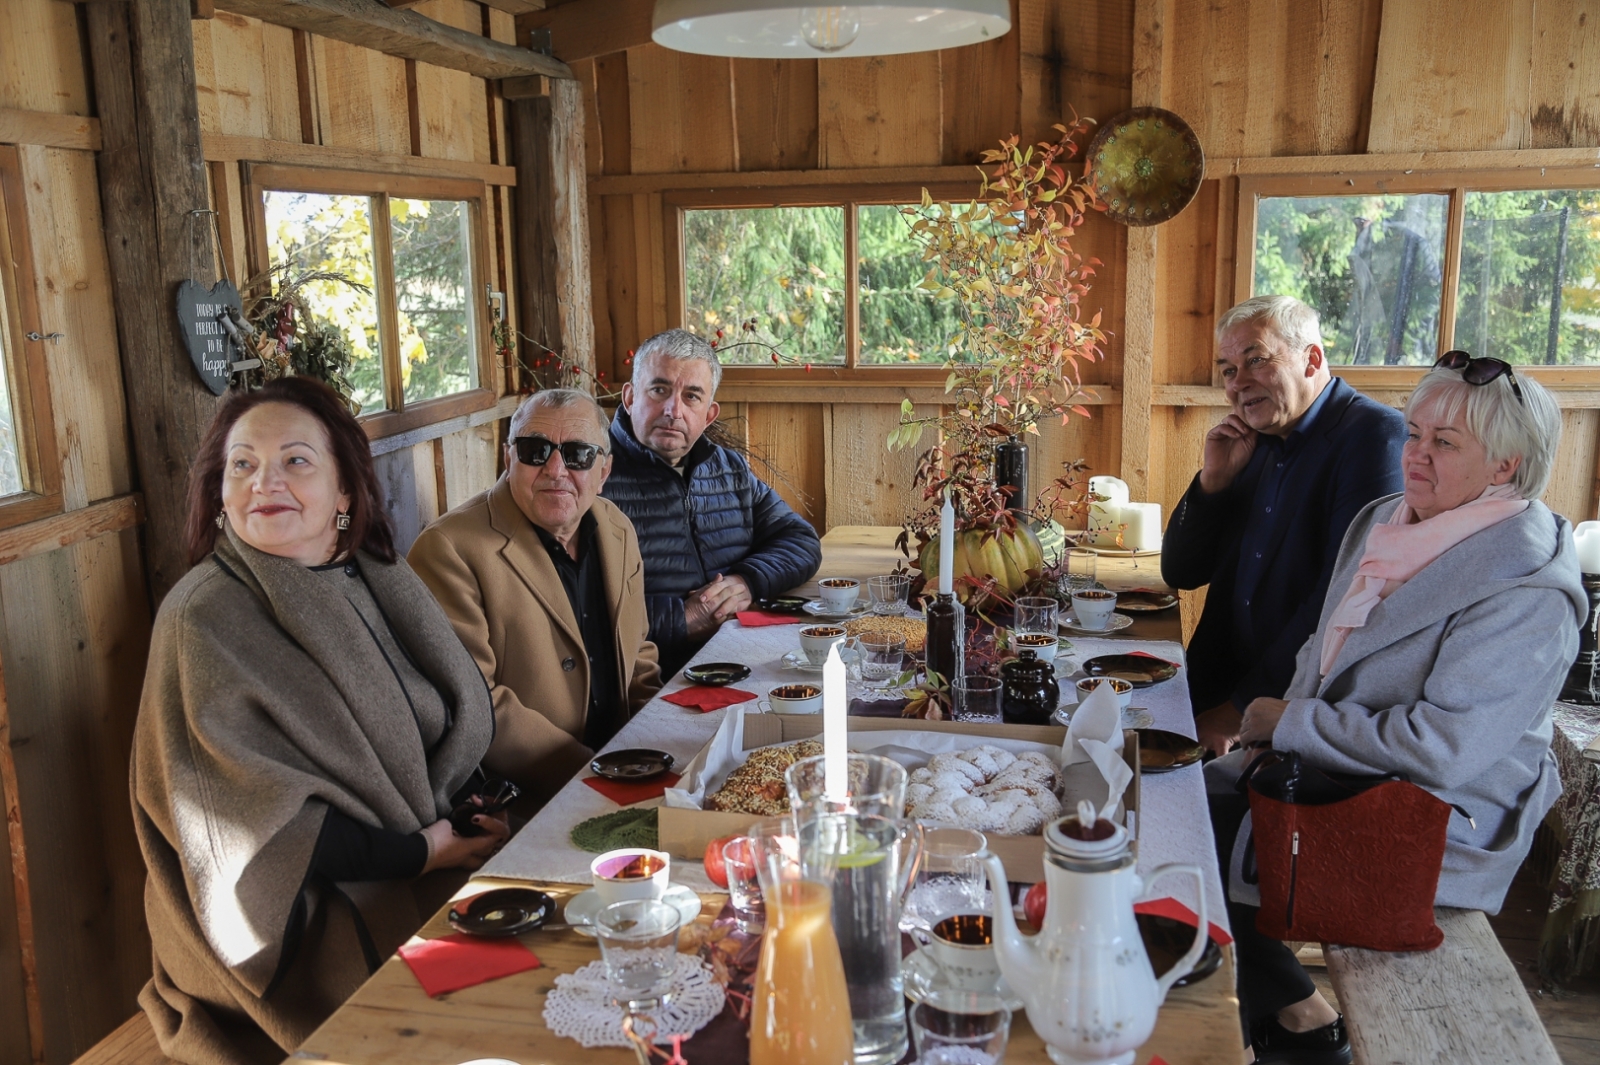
1587 537
1143 521
835 781
947 548
1105 515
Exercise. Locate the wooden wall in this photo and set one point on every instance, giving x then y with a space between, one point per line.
1263 82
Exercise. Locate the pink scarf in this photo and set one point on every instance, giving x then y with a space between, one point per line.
1403 547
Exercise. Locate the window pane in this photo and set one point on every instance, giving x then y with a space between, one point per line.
1528 290
432 279
333 234
900 323
783 267
1370 265
10 460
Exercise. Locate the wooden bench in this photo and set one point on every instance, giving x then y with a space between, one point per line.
134 1043
1462 1003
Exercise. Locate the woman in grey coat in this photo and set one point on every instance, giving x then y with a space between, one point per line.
1450 623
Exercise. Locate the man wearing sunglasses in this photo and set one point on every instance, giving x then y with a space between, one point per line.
543 582
714 536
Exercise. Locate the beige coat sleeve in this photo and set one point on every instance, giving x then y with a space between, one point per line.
644 678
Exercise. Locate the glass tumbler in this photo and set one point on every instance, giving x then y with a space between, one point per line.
744 888
882 658
639 945
960 1028
950 879
1080 574
977 698
888 593
1035 614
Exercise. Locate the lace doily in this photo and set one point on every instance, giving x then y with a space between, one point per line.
581 1005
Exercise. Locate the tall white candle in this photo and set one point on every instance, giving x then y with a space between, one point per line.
1587 537
947 545
835 781
1143 521
1106 514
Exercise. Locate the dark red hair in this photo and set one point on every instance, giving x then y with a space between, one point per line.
369 530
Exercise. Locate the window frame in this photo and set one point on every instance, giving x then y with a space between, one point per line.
398 416
847 196
1454 184
27 362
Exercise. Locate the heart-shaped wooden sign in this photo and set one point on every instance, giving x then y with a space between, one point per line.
200 316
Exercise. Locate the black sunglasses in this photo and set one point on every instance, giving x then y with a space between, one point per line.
1479 371
575 454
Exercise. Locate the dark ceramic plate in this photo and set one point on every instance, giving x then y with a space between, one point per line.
1167 940
716 674
1145 602
1137 670
633 763
1161 751
503 912
783 604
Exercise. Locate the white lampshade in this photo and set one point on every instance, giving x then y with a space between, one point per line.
787 29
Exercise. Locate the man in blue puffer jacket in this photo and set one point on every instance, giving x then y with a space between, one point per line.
714 536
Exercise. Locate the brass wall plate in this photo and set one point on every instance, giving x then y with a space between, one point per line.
1146 165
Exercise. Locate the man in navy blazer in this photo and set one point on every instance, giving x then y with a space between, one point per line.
1281 480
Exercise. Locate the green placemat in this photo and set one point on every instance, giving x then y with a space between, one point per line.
623 828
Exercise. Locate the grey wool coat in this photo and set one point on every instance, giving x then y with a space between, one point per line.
267 701
1450 684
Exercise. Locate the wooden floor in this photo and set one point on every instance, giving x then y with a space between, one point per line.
1572 1017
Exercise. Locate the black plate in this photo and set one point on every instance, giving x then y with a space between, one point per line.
716 674
1145 602
1167 940
783 604
632 763
1137 670
1161 751
503 912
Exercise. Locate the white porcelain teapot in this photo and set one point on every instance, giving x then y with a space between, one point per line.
1086 979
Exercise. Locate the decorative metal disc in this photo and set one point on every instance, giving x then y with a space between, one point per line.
1147 165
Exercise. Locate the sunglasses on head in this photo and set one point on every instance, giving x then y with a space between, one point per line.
1479 371
575 454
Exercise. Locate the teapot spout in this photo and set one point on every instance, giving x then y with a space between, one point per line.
1013 950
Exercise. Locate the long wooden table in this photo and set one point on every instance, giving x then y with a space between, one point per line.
390 1021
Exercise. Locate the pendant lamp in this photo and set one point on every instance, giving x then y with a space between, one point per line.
788 29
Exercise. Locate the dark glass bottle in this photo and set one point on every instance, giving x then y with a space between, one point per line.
946 647
1011 471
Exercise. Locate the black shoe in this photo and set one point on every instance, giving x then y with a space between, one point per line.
1328 1045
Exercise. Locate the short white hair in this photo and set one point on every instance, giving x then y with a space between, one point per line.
677 344
1295 322
555 398
1528 428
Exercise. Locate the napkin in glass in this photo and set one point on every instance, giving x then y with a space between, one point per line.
1095 736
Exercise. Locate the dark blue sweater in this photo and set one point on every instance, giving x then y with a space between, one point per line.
716 517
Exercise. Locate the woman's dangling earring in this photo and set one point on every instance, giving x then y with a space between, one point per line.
342 522
222 518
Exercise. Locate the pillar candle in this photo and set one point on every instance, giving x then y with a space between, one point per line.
1587 537
947 545
1143 521
1105 515
836 774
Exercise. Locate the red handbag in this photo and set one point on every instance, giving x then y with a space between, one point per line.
1343 859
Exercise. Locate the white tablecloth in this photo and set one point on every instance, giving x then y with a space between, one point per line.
1173 826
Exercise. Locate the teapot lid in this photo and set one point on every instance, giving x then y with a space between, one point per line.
1064 836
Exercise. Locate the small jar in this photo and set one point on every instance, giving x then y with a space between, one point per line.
1028 690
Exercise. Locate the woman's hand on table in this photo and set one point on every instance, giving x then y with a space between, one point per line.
447 850
1217 730
1261 719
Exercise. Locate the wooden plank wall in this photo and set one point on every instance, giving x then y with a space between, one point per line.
1261 78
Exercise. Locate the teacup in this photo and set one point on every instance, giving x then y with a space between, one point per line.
1093 608
630 873
838 594
1123 689
1042 644
793 699
816 639
963 946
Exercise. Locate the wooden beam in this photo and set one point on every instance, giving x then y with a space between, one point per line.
1403 162
590 28
49 130
401 33
152 177
63 530
224 148
524 88
632 184
515 7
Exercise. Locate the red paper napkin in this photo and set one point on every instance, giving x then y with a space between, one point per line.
628 792
1177 911
704 698
1153 658
754 619
1157 1059
453 962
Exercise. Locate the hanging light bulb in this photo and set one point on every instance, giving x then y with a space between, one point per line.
830 29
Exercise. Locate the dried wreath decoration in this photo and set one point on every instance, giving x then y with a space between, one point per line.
289 340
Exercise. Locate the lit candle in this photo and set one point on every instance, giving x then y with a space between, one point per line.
1587 537
1143 521
947 548
835 781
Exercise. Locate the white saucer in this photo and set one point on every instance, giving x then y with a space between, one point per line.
817 610
582 907
1069 622
1134 717
922 977
798 660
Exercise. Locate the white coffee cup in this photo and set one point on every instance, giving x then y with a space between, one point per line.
1093 608
838 594
1123 689
1043 645
630 873
793 699
962 945
816 639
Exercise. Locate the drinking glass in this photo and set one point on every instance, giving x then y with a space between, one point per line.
977 698
882 658
744 889
639 945
950 879
960 1028
1035 613
877 784
888 593
1080 572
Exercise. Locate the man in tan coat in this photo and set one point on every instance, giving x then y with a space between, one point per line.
543 582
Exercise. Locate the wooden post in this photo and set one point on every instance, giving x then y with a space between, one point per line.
554 308
152 176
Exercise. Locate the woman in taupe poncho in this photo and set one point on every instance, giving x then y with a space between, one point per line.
308 720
